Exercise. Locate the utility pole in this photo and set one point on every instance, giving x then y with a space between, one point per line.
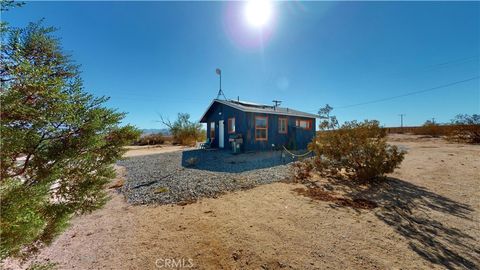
401 120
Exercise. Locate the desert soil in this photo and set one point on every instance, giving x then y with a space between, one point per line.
428 218
134 151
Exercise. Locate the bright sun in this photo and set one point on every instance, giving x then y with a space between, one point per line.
258 12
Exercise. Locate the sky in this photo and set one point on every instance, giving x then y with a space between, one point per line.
363 58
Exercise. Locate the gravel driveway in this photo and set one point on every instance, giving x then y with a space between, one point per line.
188 175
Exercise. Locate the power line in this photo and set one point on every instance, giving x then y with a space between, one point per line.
408 94
432 66
459 60
454 62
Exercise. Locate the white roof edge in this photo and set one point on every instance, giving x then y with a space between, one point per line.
233 105
208 108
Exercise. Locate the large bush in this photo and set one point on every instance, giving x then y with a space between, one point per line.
184 131
58 143
356 150
430 128
466 129
151 139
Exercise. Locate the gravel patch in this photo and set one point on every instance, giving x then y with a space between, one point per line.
178 177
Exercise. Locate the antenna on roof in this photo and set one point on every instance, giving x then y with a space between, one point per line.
277 103
220 92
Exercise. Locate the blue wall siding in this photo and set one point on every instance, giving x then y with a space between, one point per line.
226 112
296 138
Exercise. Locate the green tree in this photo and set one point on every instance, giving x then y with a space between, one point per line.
328 122
58 142
6 5
466 129
466 119
184 131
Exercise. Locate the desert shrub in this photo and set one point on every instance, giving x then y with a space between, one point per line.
184 131
202 136
168 139
430 129
302 170
151 139
466 129
58 142
357 150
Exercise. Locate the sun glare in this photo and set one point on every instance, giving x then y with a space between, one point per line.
258 13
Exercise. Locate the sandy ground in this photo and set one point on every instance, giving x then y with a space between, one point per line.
428 219
152 149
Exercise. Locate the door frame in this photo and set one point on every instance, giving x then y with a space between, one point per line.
221 134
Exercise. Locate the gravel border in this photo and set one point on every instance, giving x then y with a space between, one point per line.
180 177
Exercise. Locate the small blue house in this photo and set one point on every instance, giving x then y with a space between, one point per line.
257 126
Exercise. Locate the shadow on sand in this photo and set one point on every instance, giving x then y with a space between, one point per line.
411 210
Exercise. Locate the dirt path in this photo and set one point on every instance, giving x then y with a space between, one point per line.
432 224
134 151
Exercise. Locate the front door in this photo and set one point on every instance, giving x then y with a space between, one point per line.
220 134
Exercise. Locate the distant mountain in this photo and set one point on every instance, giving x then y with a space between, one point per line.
155 130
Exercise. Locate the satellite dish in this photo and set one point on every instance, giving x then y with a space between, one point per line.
218 71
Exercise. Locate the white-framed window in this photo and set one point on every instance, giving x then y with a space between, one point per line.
304 123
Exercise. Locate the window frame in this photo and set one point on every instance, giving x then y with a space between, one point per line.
212 130
308 121
230 121
261 128
280 119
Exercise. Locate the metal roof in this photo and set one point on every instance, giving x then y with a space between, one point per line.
259 108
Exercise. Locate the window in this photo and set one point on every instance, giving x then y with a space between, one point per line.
212 130
231 125
282 125
261 128
305 124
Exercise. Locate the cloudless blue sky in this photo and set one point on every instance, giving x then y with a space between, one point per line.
160 57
